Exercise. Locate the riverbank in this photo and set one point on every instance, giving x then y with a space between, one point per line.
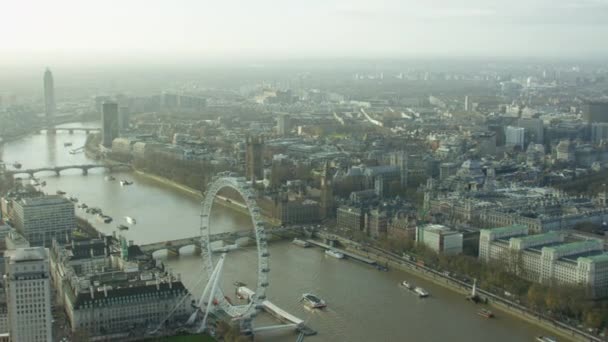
165 181
502 304
241 208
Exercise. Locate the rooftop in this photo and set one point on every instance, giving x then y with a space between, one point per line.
28 254
575 247
597 258
539 238
44 200
516 228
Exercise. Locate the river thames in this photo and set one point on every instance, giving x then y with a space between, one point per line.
364 304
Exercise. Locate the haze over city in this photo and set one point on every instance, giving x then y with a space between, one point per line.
304 171
103 32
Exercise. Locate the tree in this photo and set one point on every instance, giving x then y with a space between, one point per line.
536 296
594 318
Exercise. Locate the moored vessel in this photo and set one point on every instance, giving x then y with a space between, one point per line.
130 220
485 313
300 243
421 292
334 254
406 284
545 339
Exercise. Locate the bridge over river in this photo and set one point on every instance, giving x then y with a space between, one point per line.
173 247
58 169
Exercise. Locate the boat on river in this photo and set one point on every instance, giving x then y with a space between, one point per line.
406 285
545 339
59 192
300 243
122 227
125 182
313 301
334 254
130 220
485 313
67 144
422 293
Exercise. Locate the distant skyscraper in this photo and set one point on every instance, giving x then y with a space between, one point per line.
514 136
595 111
28 290
534 127
109 120
599 132
49 95
254 167
466 104
283 124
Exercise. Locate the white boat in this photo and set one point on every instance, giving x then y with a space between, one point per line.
300 243
421 292
334 254
313 301
545 339
125 182
406 285
130 220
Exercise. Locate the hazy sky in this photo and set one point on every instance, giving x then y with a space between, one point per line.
69 30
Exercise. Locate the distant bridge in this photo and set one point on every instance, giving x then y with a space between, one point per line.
173 247
71 130
57 169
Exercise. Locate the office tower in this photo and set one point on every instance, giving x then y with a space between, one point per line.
599 132
466 104
514 136
28 291
109 120
595 111
283 124
49 95
534 127
326 208
400 159
123 119
42 219
254 167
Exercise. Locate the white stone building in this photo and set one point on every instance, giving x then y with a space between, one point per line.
548 258
28 289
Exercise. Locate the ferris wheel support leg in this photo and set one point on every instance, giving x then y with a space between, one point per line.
218 272
203 296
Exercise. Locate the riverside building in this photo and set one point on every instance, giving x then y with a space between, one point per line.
111 296
44 219
547 258
28 291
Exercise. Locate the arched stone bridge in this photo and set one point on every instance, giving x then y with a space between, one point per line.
173 247
57 169
71 130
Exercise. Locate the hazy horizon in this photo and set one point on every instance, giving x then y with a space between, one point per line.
65 32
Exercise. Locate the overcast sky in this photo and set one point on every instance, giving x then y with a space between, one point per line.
71 30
